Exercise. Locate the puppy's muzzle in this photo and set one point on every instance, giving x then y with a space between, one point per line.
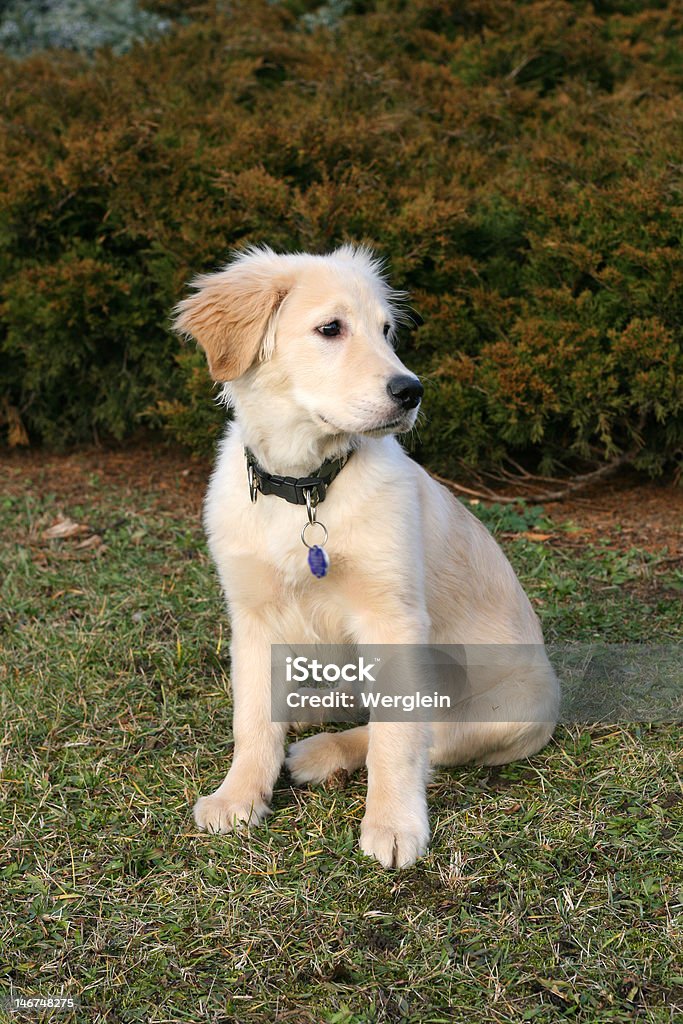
406 391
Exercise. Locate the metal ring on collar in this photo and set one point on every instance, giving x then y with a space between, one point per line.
311 505
303 535
253 483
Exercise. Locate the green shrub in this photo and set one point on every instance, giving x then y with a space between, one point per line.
518 164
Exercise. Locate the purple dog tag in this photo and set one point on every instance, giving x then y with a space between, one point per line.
318 561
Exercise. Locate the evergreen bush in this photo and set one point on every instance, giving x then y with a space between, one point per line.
518 164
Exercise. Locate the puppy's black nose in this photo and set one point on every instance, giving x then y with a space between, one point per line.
407 391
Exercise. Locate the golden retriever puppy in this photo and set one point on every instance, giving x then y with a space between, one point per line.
303 344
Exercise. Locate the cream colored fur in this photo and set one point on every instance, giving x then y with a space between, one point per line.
408 562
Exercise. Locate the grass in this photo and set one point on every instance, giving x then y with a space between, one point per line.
551 890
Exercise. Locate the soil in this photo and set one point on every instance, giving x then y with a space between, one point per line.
625 511
175 479
628 511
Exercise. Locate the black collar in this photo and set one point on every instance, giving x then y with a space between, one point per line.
294 489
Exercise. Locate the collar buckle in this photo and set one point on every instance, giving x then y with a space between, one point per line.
307 490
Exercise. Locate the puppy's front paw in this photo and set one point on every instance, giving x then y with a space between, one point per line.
222 813
394 845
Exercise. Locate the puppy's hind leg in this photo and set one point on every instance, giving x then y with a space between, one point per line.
510 717
317 757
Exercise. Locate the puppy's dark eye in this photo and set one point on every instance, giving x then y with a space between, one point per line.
387 328
331 330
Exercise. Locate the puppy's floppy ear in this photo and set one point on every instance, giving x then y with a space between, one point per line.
229 312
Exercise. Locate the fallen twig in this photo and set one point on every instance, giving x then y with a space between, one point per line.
571 486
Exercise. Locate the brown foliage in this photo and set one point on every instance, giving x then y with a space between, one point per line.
518 163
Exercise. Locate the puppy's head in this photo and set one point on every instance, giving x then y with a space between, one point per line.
312 334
